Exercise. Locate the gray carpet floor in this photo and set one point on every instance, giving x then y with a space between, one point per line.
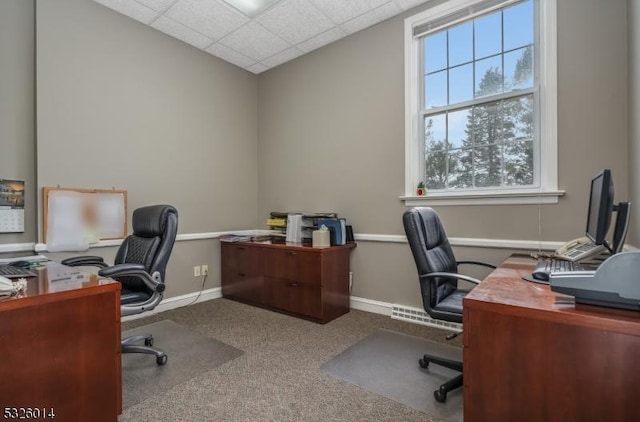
278 378
190 352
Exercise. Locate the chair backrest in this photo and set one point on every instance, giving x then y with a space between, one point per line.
154 232
432 253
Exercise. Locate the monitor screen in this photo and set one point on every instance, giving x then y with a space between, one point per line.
600 207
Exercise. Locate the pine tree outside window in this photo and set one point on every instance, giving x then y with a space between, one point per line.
479 88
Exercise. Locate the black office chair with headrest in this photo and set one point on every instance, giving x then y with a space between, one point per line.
139 266
438 277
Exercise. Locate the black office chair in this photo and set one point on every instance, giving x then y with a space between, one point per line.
438 276
140 265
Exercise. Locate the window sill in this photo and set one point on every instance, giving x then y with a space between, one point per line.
484 198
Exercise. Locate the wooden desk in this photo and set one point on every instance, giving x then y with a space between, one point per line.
60 347
530 355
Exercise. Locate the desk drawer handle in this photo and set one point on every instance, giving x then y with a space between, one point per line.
241 248
292 284
292 253
242 274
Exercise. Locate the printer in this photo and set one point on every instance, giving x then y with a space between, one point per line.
615 284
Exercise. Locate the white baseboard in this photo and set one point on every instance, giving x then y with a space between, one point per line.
369 305
179 302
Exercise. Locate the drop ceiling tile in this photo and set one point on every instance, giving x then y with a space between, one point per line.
157 5
132 9
321 40
284 31
281 57
257 68
181 32
295 20
255 42
209 17
408 4
232 56
340 11
370 18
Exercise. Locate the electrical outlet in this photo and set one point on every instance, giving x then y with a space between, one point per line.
196 271
205 269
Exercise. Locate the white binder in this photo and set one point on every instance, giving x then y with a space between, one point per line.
294 228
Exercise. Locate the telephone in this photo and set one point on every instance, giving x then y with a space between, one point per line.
9 287
6 286
579 249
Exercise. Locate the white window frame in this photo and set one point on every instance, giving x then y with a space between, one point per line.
546 166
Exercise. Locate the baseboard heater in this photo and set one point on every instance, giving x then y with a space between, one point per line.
418 316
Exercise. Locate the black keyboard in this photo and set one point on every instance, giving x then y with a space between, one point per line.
9 271
547 266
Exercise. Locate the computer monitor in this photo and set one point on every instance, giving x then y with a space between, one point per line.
622 225
600 207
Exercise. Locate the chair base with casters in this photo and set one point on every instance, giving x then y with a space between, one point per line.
128 346
441 393
130 305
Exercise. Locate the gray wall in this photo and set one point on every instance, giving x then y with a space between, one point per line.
123 105
17 106
634 119
331 137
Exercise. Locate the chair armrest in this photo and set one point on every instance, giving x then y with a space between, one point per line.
81 261
482 263
452 275
133 270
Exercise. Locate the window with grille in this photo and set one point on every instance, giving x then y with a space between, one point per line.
477 94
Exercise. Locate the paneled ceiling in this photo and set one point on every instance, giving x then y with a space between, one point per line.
281 31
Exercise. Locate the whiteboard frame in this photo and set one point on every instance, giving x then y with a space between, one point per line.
45 206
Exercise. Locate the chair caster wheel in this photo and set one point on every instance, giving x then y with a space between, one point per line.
148 342
423 363
162 360
439 396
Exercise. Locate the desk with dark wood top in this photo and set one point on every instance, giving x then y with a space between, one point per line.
531 355
60 348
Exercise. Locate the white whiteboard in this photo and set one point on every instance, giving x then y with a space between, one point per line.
76 218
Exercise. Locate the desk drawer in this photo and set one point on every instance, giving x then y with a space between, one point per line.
240 258
291 296
241 272
296 266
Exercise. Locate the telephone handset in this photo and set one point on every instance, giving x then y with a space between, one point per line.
9 287
572 244
6 286
579 249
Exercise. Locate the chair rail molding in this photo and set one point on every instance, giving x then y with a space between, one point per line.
17 247
469 242
474 242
